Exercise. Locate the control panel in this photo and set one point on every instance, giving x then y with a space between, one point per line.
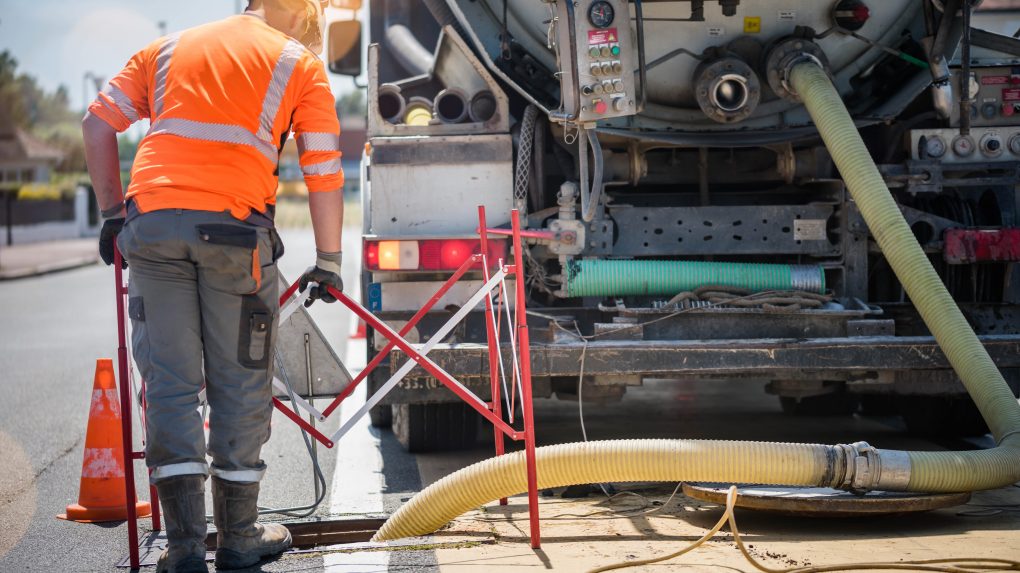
996 96
984 144
599 59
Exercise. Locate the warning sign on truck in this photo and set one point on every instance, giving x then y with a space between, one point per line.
606 36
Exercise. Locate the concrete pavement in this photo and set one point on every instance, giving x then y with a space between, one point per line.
20 261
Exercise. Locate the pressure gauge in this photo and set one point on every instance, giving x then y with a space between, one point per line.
601 14
934 146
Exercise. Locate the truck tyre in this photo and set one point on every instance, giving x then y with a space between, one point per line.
879 405
435 427
381 416
942 416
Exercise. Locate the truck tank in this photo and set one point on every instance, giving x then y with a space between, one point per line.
694 224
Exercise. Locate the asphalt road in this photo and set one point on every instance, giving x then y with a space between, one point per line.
53 327
52 330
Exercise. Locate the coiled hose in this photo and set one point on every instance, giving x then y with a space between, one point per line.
849 467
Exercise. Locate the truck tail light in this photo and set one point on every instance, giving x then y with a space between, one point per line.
429 254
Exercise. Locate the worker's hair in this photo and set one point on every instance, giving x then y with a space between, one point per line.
285 4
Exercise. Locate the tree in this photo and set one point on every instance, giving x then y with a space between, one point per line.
25 105
12 102
351 104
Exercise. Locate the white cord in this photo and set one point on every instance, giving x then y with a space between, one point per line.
502 372
512 327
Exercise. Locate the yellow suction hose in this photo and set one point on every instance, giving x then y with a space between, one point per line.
856 467
930 471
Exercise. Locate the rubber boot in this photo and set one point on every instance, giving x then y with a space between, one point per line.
183 501
241 541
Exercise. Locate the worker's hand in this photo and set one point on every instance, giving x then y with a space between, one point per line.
325 273
111 228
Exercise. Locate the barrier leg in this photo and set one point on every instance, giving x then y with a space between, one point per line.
492 336
125 418
524 342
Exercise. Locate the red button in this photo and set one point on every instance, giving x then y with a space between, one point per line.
1008 109
600 107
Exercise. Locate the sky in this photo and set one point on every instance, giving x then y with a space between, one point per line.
60 41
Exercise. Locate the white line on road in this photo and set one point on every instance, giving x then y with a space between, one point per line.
358 477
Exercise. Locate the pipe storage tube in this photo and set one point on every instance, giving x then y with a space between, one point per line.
391 103
482 107
601 277
930 471
451 105
857 467
418 111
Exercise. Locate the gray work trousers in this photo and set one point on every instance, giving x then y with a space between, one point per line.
203 302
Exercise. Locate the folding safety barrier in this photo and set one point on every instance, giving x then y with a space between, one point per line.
518 371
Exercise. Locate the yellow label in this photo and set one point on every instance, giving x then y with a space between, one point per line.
752 24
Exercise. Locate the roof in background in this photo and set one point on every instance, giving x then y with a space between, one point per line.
1000 5
20 145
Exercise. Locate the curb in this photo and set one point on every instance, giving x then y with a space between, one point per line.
68 264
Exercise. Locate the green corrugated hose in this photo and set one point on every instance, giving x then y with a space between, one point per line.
855 466
600 277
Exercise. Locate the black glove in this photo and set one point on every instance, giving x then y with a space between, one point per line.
326 273
111 228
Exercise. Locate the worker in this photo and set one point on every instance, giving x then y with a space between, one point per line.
196 229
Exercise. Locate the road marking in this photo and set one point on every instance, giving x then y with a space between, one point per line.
357 477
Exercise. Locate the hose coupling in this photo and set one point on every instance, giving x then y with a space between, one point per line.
865 469
869 469
784 56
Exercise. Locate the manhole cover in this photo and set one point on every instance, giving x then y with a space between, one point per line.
823 501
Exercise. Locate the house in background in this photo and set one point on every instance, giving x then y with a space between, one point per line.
32 207
26 159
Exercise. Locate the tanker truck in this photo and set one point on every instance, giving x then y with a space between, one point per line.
686 219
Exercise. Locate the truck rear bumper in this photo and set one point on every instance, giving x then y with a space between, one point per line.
865 359
769 357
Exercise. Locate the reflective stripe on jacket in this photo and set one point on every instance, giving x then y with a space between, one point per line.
222 98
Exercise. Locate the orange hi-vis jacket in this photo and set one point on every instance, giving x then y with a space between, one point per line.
222 99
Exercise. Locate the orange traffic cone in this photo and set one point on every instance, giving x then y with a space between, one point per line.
359 333
102 496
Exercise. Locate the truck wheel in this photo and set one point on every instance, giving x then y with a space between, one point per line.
435 427
878 405
838 403
381 416
941 416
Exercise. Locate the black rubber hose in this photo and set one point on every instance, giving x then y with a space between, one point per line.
404 46
444 15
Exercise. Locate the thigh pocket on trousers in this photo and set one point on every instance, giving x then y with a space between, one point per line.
139 334
254 343
229 260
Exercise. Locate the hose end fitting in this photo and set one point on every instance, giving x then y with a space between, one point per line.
782 58
869 469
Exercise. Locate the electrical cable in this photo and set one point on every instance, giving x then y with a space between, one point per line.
950 565
730 299
320 479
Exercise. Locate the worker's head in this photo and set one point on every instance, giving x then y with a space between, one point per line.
303 20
